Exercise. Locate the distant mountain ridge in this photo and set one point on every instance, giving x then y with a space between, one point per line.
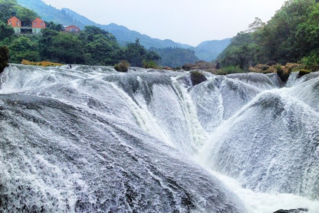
207 50
124 35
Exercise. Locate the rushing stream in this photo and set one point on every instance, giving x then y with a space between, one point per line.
89 139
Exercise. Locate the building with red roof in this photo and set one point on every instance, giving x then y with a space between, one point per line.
15 23
37 25
72 29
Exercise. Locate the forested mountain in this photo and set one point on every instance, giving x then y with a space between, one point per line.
122 34
49 13
292 35
205 51
209 50
175 57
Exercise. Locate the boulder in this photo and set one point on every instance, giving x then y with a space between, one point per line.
300 210
283 73
4 58
303 72
197 77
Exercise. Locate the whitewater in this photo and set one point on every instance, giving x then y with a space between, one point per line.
90 139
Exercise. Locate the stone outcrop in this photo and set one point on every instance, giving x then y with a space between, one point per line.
300 210
200 65
4 58
303 72
197 77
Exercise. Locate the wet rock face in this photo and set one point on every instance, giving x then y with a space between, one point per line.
300 210
303 72
197 77
4 58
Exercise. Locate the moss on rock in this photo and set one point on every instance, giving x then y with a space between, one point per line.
303 72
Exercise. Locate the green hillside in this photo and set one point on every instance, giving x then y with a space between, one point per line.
292 35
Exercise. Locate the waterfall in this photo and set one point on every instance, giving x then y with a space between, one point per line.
90 139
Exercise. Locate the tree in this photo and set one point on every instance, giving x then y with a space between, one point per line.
292 34
6 10
66 48
26 16
100 46
5 31
135 54
256 25
23 48
54 26
46 41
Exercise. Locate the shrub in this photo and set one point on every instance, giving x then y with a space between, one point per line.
229 70
122 66
150 64
41 63
311 62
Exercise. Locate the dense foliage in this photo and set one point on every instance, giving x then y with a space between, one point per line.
135 54
175 57
291 35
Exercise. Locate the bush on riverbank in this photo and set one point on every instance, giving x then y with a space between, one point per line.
122 66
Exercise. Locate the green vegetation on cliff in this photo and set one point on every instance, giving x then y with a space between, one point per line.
292 35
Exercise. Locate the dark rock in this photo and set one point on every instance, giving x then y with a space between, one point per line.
303 72
271 63
197 77
300 210
283 74
217 66
4 58
188 66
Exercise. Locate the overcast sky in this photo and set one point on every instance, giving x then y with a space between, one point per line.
185 21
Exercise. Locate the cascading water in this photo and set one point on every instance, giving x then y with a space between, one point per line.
89 139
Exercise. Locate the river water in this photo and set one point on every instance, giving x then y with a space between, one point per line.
90 139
